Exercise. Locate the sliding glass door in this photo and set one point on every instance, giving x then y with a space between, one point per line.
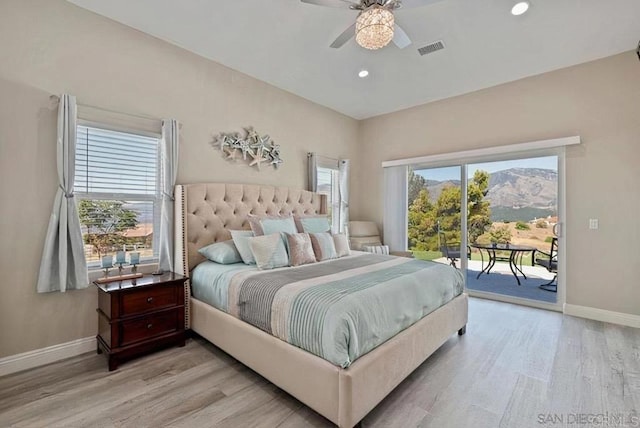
434 214
506 238
512 220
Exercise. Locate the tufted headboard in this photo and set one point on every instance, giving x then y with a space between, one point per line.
206 212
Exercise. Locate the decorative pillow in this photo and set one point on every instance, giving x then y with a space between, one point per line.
323 246
256 225
300 249
376 249
277 225
342 245
269 251
224 252
241 241
312 223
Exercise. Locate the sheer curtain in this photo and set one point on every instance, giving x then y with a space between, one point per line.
395 208
63 265
343 167
312 172
168 175
339 187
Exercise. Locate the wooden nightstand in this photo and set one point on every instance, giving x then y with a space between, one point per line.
140 315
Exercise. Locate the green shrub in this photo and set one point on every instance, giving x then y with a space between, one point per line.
548 239
541 224
521 225
500 234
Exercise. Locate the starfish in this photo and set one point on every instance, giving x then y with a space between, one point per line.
262 145
276 162
231 153
245 147
251 134
257 159
223 141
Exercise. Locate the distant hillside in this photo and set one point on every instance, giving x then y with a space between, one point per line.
435 187
507 214
524 187
515 193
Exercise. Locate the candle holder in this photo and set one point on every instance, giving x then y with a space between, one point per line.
106 272
120 268
134 268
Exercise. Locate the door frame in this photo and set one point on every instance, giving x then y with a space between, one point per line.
555 147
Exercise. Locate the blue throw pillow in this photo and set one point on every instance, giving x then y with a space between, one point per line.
241 241
278 225
224 252
314 224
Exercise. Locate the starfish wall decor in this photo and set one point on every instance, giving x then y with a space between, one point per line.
252 147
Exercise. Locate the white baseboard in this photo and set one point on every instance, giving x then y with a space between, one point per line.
629 320
50 354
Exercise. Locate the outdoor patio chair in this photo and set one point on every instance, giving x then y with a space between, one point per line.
451 250
550 261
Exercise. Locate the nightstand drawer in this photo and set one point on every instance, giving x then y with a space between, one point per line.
148 299
149 326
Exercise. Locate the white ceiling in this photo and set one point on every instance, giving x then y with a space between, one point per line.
286 43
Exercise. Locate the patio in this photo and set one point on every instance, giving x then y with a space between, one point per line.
502 281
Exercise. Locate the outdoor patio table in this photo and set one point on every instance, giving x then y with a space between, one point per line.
516 252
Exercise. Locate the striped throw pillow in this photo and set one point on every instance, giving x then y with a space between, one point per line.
376 249
323 246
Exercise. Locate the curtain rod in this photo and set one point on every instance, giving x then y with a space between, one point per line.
56 99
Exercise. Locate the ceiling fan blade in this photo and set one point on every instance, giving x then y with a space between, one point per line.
344 37
400 37
343 4
410 4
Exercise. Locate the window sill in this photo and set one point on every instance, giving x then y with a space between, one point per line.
97 272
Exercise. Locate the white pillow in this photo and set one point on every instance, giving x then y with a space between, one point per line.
342 245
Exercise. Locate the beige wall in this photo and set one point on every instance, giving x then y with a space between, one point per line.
49 47
600 101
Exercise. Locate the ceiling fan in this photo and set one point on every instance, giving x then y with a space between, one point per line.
375 25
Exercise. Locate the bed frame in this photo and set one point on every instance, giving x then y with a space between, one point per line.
205 213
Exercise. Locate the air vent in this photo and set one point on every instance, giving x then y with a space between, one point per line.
431 47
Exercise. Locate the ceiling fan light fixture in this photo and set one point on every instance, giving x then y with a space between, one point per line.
374 27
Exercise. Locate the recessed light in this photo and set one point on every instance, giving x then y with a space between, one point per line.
363 73
520 8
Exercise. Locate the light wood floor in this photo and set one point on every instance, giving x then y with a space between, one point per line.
514 366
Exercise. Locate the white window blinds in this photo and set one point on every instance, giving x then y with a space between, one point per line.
116 163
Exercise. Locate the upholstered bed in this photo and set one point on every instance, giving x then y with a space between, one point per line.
205 213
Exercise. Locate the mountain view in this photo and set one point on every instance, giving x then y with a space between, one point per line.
514 194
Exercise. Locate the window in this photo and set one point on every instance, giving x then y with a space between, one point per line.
328 185
117 187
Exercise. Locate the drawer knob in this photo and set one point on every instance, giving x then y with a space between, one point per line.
149 299
149 325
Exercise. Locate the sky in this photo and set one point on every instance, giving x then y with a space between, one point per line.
453 172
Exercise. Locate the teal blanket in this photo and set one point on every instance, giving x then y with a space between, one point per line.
338 310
